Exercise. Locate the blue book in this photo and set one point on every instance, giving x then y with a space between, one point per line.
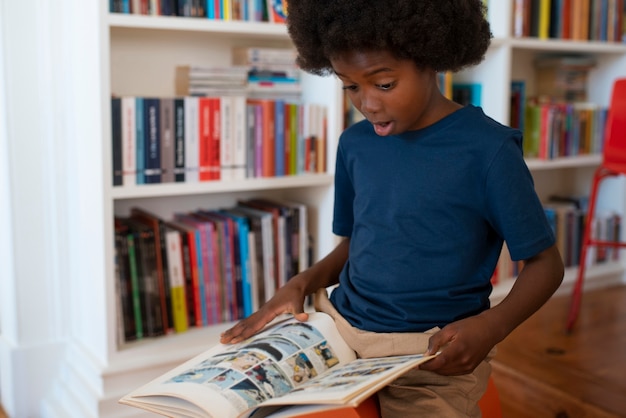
139 142
210 9
279 135
152 140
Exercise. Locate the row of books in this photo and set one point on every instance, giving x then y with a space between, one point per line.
583 20
192 139
567 219
206 266
553 130
274 11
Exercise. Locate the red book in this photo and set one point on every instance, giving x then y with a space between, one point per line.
566 20
209 134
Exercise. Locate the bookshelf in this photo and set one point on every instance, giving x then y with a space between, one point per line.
136 55
140 55
511 58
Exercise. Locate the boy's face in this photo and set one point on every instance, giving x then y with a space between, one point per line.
394 95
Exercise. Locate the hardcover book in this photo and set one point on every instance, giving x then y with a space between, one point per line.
289 369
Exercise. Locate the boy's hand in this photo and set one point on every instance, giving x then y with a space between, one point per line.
287 300
463 344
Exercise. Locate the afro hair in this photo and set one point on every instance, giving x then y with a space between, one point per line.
444 35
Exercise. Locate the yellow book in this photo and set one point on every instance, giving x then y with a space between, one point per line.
544 19
227 9
177 280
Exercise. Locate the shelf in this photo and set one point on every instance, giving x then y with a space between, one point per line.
566 45
174 23
599 275
185 189
536 164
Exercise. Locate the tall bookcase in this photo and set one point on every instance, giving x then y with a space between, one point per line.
136 55
140 54
511 58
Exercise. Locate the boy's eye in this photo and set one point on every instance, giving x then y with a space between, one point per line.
386 86
350 87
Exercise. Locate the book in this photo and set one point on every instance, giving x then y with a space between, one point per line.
306 365
152 143
209 138
192 138
166 138
116 140
277 11
129 132
176 274
160 265
189 237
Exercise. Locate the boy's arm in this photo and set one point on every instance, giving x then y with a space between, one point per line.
290 298
465 343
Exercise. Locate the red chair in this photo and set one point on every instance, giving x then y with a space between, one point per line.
489 406
613 164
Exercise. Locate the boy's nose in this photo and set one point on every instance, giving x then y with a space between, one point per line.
370 104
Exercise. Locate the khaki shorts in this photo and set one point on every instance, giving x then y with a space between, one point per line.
418 393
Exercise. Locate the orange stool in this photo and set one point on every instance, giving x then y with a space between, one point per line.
489 405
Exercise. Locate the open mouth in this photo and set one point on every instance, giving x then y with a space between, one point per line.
382 128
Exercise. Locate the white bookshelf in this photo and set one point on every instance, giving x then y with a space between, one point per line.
510 58
136 55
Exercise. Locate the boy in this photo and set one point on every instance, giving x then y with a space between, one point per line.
426 192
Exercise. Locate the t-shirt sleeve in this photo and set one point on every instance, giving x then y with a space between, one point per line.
343 217
514 209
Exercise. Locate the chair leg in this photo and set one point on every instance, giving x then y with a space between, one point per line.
578 285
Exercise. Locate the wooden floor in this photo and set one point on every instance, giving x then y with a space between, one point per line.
540 371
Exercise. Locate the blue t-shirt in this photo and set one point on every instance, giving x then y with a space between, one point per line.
427 212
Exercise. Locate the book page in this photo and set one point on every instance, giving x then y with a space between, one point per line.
351 383
229 380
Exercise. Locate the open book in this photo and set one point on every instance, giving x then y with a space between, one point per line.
290 366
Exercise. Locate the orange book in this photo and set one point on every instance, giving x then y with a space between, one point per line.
268 146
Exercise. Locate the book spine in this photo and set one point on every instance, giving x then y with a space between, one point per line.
269 139
250 140
152 157
177 281
216 138
226 140
192 135
179 140
140 142
214 289
116 142
239 138
166 130
279 138
258 141
135 286
292 155
204 140
129 158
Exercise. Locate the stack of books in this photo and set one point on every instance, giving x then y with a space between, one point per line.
211 81
272 72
